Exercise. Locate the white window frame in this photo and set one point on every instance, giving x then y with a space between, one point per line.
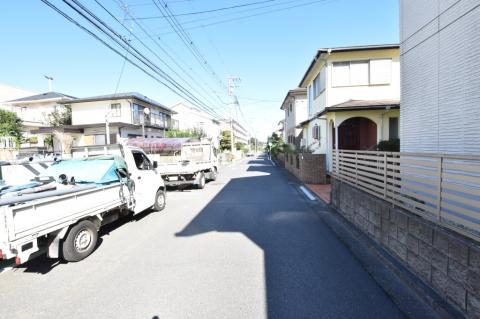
116 110
319 83
370 82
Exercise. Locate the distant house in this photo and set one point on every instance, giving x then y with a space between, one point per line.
440 76
190 119
353 98
34 111
125 114
295 107
9 92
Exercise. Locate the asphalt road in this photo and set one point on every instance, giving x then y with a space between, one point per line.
250 245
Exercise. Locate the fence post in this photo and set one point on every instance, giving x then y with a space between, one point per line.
356 168
385 175
337 154
439 188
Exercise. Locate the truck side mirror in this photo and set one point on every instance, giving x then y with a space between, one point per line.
155 164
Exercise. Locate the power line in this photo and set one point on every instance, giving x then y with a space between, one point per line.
153 52
212 10
245 16
186 39
174 87
258 14
173 59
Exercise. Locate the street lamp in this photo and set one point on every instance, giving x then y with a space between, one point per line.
146 111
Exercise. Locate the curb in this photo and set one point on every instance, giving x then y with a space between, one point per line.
408 293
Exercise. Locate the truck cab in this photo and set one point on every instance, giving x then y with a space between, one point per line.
149 188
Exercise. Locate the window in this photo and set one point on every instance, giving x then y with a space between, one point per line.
115 110
380 71
290 107
316 132
99 139
319 83
393 127
135 114
310 99
356 73
359 73
141 161
341 74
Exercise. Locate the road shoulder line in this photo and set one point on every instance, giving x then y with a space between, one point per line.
307 192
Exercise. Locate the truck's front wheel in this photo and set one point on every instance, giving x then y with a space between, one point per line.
201 181
160 200
80 241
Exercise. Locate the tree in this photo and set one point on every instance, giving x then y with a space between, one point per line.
275 144
240 146
226 141
61 116
10 125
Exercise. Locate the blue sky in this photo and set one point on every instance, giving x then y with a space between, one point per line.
269 52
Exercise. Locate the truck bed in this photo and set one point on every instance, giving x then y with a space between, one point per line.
21 223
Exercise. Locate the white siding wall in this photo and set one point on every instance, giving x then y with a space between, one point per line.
289 128
32 113
337 95
440 82
317 146
94 112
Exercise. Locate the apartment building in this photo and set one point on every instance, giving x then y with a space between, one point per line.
192 119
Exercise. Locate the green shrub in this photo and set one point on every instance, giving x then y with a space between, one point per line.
392 145
32 140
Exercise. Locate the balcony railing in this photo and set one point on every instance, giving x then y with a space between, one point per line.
442 188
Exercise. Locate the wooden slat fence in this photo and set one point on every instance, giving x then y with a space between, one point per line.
442 188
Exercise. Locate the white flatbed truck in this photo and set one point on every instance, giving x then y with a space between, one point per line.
66 225
181 162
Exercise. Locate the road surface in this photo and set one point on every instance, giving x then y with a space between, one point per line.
250 245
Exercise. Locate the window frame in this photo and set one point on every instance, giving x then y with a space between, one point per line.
117 111
397 133
369 61
319 83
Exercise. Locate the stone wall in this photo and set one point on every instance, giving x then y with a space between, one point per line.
309 168
447 262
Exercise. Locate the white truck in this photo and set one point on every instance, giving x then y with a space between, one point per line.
65 221
181 161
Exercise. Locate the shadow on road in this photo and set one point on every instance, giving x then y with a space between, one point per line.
309 273
41 264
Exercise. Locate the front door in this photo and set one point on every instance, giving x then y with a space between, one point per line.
145 179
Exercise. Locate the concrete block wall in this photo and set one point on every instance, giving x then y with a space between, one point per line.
311 168
446 261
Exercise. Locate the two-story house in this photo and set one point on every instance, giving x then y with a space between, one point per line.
353 98
191 119
120 116
126 115
34 111
295 107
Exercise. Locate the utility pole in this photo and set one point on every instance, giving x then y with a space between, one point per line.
232 84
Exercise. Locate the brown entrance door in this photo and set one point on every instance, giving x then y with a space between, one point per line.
357 133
